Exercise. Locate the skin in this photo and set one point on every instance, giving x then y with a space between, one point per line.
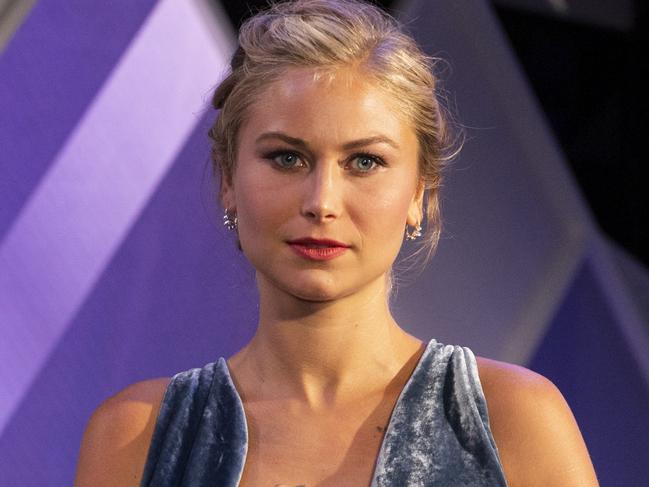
332 159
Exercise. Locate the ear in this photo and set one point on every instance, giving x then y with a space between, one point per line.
227 195
416 208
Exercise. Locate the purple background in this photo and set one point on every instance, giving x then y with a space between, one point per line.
522 273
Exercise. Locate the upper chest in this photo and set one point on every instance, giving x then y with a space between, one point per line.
288 445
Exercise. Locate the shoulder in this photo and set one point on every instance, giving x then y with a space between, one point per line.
117 437
518 381
535 431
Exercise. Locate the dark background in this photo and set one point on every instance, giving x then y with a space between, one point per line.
591 77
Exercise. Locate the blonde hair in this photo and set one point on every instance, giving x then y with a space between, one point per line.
327 35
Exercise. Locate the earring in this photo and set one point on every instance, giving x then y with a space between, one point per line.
414 235
230 221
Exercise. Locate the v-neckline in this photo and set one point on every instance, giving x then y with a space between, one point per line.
397 405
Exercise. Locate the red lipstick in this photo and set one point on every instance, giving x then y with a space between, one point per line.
318 248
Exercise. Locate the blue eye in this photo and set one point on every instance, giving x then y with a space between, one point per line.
286 160
365 162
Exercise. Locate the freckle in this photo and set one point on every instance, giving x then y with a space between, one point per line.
379 429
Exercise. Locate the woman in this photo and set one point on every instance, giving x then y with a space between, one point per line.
329 143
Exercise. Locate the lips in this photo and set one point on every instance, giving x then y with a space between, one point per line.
318 248
318 242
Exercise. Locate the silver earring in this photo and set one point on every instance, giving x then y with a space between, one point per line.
414 235
230 221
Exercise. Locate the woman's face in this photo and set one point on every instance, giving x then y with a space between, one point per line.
324 183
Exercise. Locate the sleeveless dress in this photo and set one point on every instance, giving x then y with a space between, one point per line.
438 434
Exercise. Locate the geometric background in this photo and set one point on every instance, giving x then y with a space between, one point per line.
114 266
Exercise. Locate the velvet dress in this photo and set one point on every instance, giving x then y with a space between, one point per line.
438 434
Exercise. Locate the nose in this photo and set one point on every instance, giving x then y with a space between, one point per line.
322 200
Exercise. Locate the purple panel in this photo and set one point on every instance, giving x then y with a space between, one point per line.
177 295
67 232
49 74
585 354
514 223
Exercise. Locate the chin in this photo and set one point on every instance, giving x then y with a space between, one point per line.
316 287
314 291
317 296
323 291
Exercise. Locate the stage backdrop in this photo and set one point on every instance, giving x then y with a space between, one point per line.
114 266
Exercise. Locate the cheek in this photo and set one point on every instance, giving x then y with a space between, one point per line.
260 203
385 208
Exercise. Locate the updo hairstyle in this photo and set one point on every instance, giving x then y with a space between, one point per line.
328 35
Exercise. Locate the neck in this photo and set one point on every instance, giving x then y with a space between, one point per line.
320 350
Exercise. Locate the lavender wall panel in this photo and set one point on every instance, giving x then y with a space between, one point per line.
49 74
177 295
84 198
99 181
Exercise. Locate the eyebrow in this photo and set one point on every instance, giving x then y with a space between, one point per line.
354 144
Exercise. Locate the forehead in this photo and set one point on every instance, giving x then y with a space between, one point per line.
344 102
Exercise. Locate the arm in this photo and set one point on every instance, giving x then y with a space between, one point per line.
117 437
537 436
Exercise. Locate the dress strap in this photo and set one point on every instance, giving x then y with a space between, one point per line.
439 433
200 436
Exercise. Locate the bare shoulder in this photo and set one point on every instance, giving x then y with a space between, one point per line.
496 375
537 436
117 437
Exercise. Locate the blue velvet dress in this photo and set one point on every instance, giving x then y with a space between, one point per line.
438 434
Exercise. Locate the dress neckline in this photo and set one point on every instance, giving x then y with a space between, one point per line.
386 434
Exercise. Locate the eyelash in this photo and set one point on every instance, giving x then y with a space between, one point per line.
377 160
